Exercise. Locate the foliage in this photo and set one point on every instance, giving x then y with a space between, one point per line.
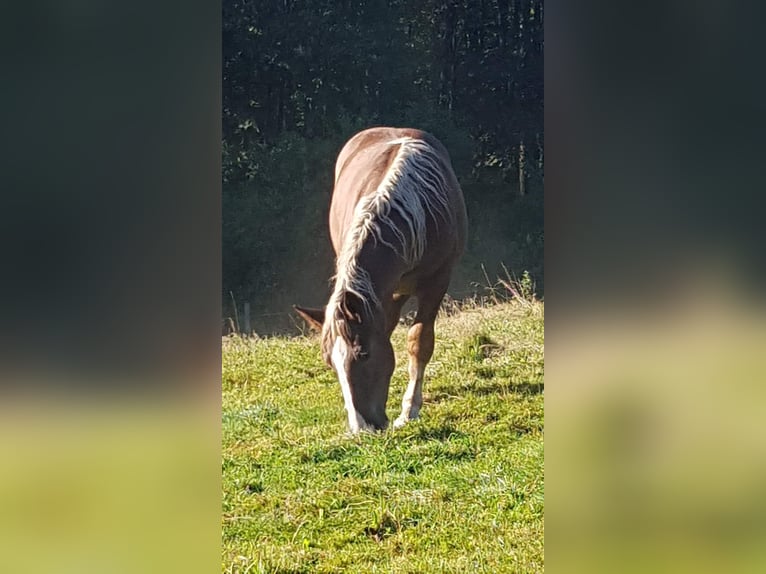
459 490
299 78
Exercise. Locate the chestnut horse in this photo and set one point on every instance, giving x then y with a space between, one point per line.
398 226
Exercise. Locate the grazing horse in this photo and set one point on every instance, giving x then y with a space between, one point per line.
398 226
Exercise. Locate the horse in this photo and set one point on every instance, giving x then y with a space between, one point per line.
398 227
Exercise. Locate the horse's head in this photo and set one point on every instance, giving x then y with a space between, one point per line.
356 345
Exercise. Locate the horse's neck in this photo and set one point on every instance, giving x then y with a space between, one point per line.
383 267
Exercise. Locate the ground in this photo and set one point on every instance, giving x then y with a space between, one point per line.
459 490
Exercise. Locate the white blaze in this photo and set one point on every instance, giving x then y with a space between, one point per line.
339 353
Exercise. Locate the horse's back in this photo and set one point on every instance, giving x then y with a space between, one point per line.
373 138
363 163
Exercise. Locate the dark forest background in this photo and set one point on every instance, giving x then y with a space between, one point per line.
300 78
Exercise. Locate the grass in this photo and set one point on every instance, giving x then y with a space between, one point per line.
459 490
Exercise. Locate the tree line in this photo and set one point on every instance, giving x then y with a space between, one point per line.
299 78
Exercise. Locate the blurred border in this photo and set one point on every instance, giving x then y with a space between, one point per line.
110 291
655 316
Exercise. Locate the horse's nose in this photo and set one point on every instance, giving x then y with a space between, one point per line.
380 421
376 418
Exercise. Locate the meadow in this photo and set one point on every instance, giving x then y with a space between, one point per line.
459 490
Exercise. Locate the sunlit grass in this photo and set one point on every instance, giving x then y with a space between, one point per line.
459 490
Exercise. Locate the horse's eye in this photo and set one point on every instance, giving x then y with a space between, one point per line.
362 355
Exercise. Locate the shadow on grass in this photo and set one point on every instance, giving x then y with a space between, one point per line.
498 388
442 433
280 570
333 453
387 526
495 388
443 443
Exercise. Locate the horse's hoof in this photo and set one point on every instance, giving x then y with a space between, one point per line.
401 421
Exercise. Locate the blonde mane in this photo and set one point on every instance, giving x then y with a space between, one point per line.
415 187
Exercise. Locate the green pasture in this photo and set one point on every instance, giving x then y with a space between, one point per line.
459 490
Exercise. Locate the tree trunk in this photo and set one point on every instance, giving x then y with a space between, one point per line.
522 173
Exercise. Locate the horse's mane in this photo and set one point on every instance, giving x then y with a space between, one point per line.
415 187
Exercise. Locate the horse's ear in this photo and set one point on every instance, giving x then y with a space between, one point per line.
313 317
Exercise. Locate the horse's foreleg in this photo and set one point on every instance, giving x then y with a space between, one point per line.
394 311
420 347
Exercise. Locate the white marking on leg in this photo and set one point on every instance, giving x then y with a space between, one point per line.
356 421
413 398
